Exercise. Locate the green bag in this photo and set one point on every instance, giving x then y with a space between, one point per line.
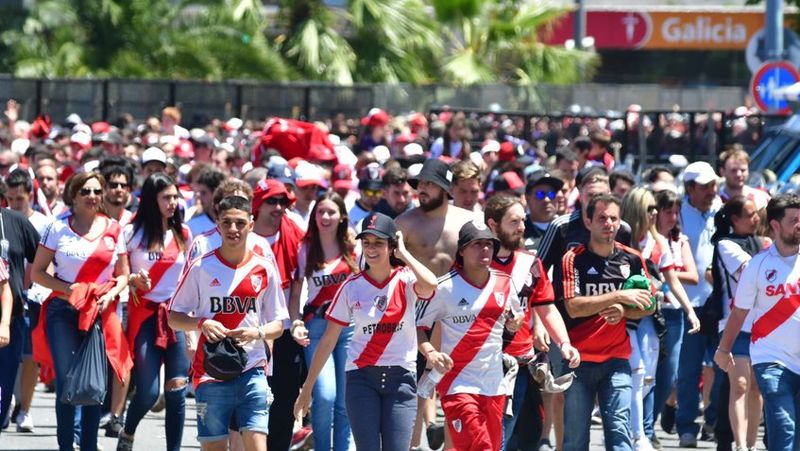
641 282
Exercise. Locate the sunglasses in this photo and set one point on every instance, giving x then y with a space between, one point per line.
88 191
372 192
283 201
115 185
540 195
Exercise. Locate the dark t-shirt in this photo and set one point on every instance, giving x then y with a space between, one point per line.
22 243
533 236
584 273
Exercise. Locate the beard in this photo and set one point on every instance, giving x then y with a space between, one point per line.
790 239
509 241
433 204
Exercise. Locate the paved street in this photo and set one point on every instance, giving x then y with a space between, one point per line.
150 435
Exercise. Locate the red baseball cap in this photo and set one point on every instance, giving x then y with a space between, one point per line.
269 188
342 177
508 151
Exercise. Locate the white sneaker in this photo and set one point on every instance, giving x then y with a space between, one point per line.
24 422
643 444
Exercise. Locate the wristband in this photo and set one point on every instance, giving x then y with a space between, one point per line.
200 323
723 351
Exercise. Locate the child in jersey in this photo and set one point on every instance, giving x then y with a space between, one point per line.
380 393
473 305
231 292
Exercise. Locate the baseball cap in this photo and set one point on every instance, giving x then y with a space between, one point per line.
378 224
699 172
508 151
369 177
279 169
589 171
434 171
375 118
476 230
490 146
342 177
154 154
307 174
269 188
508 181
224 360
543 177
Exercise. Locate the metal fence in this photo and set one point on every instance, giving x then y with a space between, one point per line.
109 98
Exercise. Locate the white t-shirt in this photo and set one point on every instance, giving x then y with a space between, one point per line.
733 257
164 267
78 259
768 288
676 250
472 319
382 315
246 295
40 221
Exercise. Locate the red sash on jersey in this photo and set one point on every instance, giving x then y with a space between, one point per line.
774 317
117 349
229 320
395 310
470 344
286 248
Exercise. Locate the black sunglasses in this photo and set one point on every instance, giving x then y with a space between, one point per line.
115 185
87 191
283 201
540 195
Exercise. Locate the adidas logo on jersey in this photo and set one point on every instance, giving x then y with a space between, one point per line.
214 283
463 303
592 271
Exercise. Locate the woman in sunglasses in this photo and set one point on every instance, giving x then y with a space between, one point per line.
87 250
639 209
157 242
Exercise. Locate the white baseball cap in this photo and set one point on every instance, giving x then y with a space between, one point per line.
153 154
699 172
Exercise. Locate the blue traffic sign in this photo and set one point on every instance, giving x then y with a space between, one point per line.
771 76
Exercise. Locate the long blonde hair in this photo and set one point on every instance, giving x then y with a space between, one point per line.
634 212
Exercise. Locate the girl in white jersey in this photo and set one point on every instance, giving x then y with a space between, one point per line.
157 242
381 360
325 260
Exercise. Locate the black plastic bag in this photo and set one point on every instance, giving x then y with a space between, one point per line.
87 378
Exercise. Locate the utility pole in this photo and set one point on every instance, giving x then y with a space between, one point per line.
580 24
773 30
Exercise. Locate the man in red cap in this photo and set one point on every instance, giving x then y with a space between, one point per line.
270 203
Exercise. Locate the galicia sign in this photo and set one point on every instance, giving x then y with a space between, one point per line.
770 77
665 28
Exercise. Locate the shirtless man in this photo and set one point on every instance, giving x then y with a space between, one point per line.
431 235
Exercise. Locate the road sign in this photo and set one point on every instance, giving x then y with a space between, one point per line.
770 77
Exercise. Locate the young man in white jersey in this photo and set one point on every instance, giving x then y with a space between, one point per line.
231 293
768 286
473 305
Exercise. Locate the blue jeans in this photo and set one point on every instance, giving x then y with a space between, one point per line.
10 357
693 351
146 377
383 402
245 398
64 339
610 381
667 370
520 390
780 389
329 411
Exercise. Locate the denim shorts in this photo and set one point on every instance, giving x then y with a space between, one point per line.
31 320
246 398
741 346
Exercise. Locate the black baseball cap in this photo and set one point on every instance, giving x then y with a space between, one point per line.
434 171
224 360
380 225
476 230
369 177
543 177
590 171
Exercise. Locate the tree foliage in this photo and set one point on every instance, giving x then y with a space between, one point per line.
415 41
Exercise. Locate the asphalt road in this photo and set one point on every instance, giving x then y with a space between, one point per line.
150 435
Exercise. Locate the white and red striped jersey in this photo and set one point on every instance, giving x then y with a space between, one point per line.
125 218
164 266
246 295
657 251
323 283
472 319
770 288
211 239
382 315
527 273
79 259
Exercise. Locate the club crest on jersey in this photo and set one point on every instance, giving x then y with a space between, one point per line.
381 302
457 425
500 298
625 270
109 242
255 282
771 275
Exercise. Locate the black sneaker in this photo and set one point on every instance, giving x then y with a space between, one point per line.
113 427
668 419
15 412
124 444
435 435
707 433
656 443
